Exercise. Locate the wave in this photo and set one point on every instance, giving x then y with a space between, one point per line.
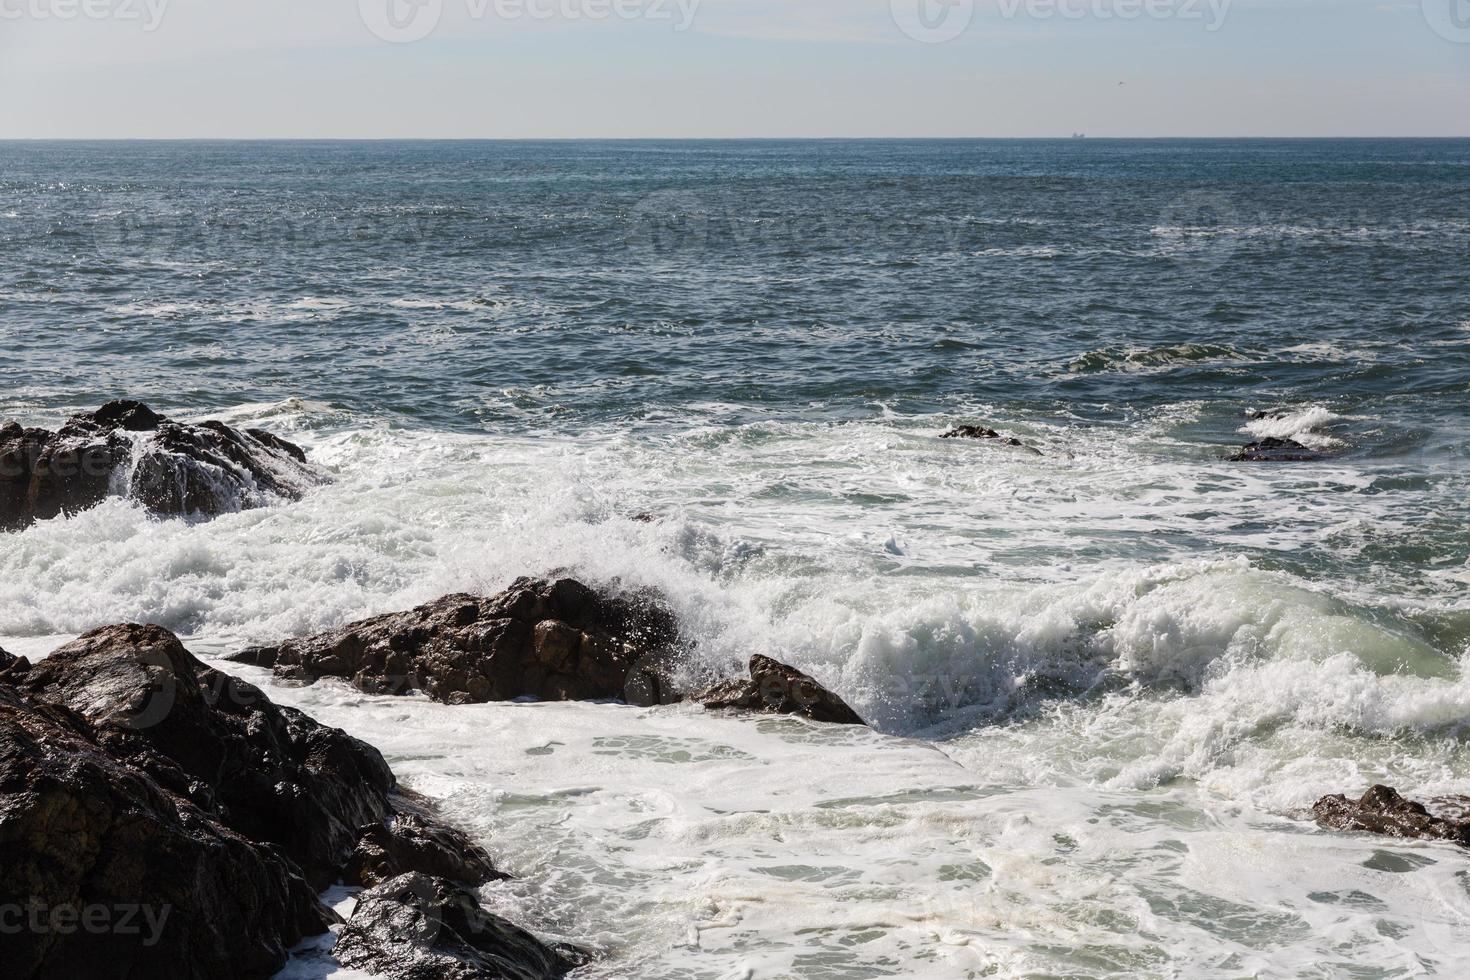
1308 426
467 305
1137 359
316 304
896 623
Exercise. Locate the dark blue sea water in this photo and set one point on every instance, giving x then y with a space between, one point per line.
638 281
721 370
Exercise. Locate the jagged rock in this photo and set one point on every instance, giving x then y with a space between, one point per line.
269 773
1384 812
657 679
12 667
132 774
416 927
984 434
971 432
411 838
127 449
115 877
774 688
979 432
555 641
1276 451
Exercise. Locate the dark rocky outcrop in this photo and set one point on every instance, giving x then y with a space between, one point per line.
980 432
972 432
554 641
127 449
12 667
1384 812
416 927
984 434
774 688
136 780
269 773
1276 451
412 838
119 878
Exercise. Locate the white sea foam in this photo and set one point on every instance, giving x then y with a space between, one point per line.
1308 426
319 304
1102 750
677 844
465 305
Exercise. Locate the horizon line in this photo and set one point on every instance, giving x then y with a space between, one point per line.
1076 137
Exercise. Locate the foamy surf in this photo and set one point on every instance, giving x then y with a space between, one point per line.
1079 764
1309 426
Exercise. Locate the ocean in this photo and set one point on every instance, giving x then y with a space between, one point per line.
1108 672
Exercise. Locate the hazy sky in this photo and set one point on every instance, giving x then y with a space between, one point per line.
709 68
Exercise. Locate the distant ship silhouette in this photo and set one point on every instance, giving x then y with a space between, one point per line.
1079 136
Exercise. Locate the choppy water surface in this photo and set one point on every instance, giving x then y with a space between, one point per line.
1107 678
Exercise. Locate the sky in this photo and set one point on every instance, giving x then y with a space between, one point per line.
732 68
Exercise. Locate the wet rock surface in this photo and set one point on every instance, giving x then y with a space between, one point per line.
135 777
118 877
774 688
417 927
412 838
270 773
127 449
553 641
982 433
972 432
1385 812
1277 451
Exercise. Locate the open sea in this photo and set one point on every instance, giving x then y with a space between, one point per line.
1107 679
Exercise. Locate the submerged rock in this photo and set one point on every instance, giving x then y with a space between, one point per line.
118 878
984 434
972 432
417 927
554 641
126 449
269 773
1384 812
980 432
774 688
412 838
1277 451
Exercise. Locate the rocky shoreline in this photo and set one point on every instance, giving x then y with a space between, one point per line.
136 780
133 776
203 470
160 817
540 640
